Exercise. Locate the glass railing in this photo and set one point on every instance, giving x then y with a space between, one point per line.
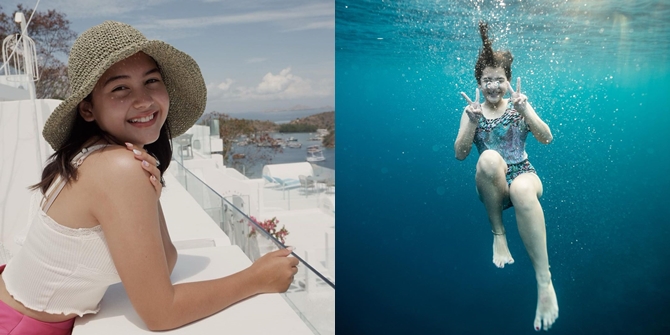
312 293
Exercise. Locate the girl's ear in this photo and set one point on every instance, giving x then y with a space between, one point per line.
85 109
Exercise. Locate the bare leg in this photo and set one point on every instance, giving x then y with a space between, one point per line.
525 192
493 190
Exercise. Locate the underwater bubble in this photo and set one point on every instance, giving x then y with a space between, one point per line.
441 190
436 147
385 170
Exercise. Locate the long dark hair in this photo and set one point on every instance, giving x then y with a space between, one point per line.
489 58
82 131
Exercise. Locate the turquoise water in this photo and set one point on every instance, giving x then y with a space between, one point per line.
414 244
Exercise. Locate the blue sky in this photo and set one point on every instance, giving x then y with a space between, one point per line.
255 55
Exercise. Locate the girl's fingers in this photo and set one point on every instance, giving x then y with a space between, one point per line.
477 95
143 155
150 164
518 84
511 90
157 185
155 175
467 98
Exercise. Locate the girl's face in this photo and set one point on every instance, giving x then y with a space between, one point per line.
493 84
129 101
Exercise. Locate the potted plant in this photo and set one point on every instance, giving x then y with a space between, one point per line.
270 225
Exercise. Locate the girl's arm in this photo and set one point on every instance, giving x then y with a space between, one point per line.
170 250
539 129
150 165
466 133
125 208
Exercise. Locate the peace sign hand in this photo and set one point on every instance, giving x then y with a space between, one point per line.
518 99
474 109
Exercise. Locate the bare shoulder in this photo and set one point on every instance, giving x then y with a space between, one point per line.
112 165
113 173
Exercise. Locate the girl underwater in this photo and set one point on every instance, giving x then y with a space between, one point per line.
504 177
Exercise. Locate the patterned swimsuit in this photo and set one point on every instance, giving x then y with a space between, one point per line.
507 136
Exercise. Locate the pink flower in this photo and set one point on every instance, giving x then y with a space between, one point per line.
270 226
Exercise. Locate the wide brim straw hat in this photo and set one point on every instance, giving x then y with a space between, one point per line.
100 47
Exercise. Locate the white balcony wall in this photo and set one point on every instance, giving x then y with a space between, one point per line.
22 153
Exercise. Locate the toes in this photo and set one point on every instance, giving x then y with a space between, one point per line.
538 324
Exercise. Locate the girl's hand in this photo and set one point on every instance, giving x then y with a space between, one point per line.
150 164
474 109
275 271
518 99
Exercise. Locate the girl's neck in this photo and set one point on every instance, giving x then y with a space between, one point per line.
496 106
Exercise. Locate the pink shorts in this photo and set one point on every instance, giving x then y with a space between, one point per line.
14 323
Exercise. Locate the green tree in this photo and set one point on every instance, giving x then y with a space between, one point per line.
53 39
329 140
297 128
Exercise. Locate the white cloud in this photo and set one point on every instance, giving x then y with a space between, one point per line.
326 24
273 84
224 86
94 8
281 86
294 15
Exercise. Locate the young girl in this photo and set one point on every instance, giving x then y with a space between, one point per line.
101 221
504 176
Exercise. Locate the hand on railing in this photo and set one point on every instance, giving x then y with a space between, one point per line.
275 271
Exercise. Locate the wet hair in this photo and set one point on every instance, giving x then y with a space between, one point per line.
82 131
489 58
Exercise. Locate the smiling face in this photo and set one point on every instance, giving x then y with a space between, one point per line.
493 84
130 101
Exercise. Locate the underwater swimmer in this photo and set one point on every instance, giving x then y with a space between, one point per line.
504 177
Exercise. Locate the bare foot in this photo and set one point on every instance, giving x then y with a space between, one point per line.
547 306
501 254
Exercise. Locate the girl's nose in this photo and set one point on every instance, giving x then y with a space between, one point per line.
143 100
493 85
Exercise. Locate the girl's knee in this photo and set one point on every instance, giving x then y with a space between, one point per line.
523 192
490 163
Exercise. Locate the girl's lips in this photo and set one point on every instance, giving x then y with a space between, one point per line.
146 123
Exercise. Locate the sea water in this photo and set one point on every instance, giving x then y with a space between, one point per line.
254 162
414 242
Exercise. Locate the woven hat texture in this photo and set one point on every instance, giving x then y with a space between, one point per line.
100 47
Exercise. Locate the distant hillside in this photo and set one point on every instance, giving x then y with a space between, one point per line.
324 120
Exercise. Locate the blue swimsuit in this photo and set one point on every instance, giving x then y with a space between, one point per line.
507 136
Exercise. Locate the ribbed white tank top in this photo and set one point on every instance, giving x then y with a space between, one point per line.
61 269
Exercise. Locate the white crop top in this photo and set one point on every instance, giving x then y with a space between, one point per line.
61 269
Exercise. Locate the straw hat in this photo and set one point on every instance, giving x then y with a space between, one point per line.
100 47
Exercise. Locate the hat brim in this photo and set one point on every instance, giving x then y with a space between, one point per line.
183 81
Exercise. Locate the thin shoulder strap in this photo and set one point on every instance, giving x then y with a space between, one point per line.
59 183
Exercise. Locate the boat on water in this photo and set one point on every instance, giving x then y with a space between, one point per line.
315 154
294 145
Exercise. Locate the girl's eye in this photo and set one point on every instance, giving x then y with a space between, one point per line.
153 80
120 88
